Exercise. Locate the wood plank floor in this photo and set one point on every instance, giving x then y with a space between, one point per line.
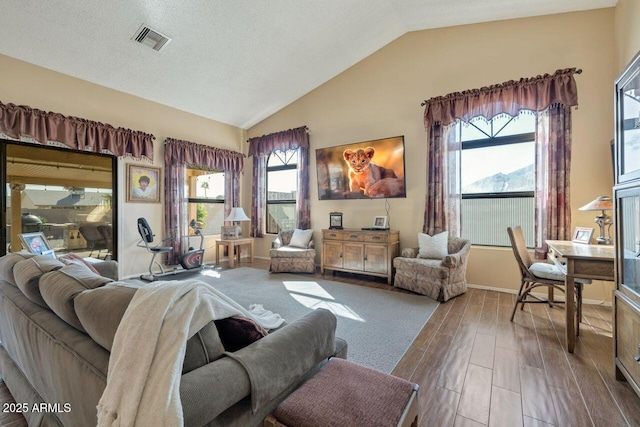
476 368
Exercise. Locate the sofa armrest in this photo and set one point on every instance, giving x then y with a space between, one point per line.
410 253
277 243
283 357
459 258
107 269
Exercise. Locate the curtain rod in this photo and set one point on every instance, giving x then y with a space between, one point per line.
578 71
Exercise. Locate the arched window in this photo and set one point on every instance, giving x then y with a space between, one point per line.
282 189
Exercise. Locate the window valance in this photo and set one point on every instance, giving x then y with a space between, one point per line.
185 152
535 93
285 140
77 133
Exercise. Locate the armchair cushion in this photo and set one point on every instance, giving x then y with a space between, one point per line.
433 247
301 238
290 252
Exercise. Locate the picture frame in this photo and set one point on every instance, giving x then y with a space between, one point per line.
335 220
143 184
229 232
380 222
36 243
582 235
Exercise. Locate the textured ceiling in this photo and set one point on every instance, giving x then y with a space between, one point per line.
235 61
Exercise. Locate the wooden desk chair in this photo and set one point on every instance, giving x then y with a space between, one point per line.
537 274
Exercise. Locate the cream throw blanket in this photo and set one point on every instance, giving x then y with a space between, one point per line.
145 366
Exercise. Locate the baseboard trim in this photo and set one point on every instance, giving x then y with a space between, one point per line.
541 295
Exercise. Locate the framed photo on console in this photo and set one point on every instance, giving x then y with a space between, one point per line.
335 220
229 232
380 222
582 235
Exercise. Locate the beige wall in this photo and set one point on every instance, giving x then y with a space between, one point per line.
627 32
380 97
26 84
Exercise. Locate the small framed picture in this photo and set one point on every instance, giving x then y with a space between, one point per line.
35 243
582 235
229 232
380 222
335 220
143 184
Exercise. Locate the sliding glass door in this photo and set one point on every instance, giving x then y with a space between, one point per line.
68 196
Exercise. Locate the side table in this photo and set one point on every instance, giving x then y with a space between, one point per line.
234 256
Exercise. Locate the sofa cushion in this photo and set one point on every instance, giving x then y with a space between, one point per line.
7 263
60 287
419 268
100 311
301 238
72 258
28 272
433 247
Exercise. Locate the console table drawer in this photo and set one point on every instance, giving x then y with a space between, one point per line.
377 238
331 235
353 236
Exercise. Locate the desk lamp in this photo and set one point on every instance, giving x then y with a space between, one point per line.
602 203
237 214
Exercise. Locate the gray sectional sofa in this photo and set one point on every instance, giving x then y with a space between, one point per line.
57 324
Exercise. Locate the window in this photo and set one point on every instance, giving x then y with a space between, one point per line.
497 178
282 188
206 199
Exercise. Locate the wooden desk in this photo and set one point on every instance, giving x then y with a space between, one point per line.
231 245
579 261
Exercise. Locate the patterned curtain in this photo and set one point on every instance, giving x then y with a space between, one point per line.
260 148
549 94
177 155
231 192
76 133
258 195
553 167
443 181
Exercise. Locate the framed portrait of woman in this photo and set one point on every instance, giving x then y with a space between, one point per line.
143 184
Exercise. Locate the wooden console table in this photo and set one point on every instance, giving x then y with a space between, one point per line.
579 261
231 245
368 252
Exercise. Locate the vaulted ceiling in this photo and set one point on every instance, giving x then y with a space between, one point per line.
236 61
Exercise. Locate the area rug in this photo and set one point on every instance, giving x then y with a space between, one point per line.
378 325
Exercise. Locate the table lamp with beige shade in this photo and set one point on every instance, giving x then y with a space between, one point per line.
601 203
236 215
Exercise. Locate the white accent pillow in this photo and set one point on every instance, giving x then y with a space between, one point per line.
301 238
433 247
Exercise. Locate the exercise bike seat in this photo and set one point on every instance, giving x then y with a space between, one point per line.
147 238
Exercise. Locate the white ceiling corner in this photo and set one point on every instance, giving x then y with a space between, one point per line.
238 61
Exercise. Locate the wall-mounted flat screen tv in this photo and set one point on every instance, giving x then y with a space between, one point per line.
362 170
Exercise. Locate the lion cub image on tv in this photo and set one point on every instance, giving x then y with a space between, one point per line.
374 180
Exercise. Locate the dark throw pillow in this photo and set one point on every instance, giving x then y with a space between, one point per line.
237 332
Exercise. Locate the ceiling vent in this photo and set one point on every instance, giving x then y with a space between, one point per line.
151 38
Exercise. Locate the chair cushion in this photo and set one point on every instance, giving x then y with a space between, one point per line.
289 252
433 247
301 238
545 270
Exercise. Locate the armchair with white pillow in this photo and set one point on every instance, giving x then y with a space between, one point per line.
437 268
293 252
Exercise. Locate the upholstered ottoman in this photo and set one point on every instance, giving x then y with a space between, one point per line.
344 394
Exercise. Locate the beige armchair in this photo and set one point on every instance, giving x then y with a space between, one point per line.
299 258
438 279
